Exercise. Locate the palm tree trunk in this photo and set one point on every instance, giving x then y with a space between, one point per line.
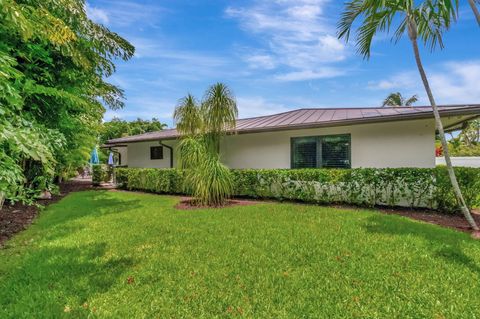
438 121
473 5
2 199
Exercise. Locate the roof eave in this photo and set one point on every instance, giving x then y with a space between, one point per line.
345 122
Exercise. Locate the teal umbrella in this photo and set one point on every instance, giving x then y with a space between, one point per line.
94 157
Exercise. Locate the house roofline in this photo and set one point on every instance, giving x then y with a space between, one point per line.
473 109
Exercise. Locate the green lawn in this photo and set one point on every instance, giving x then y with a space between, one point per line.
127 255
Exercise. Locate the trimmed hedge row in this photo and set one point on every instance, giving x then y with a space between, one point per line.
413 187
101 173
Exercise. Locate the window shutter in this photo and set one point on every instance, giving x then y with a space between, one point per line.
336 151
156 152
304 152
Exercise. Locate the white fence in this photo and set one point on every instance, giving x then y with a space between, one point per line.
461 161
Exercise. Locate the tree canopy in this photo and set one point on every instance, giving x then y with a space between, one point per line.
119 128
53 64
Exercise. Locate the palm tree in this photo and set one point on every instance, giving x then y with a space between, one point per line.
202 125
473 5
426 21
397 99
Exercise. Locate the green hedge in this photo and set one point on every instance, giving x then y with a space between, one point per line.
414 187
101 173
162 181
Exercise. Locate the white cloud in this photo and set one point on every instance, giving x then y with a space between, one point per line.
123 13
310 75
96 14
180 64
452 82
260 61
458 83
251 106
296 34
401 81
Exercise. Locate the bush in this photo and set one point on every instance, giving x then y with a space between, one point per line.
162 181
411 187
101 173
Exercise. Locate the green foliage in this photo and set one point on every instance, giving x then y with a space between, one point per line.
161 181
268 260
397 100
464 150
425 20
467 143
53 66
119 128
101 173
202 127
414 187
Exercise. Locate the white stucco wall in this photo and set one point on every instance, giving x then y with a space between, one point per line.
139 155
123 154
393 144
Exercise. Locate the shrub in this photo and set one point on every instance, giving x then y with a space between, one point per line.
412 187
162 181
101 173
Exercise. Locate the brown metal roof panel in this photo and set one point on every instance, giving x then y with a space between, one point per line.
295 118
370 113
326 116
259 122
306 116
386 111
277 118
339 115
354 114
264 122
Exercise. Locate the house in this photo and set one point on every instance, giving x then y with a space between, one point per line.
313 137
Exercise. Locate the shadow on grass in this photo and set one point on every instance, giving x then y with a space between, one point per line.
443 243
51 277
83 204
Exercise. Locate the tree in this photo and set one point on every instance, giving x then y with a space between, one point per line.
119 128
397 99
427 21
202 127
470 134
53 66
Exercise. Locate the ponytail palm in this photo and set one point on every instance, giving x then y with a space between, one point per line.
201 128
425 22
220 113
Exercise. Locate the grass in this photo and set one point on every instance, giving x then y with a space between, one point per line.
127 255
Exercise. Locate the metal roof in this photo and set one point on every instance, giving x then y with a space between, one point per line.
318 117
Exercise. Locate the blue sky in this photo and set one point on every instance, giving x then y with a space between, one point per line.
276 55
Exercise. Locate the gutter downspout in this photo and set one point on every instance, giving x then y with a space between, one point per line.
171 153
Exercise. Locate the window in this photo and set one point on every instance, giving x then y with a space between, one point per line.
156 152
332 151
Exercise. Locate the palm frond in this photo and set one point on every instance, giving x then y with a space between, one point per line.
219 108
188 117
429 20
412 100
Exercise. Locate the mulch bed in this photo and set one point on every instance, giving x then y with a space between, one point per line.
187 203
456 221
17 217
